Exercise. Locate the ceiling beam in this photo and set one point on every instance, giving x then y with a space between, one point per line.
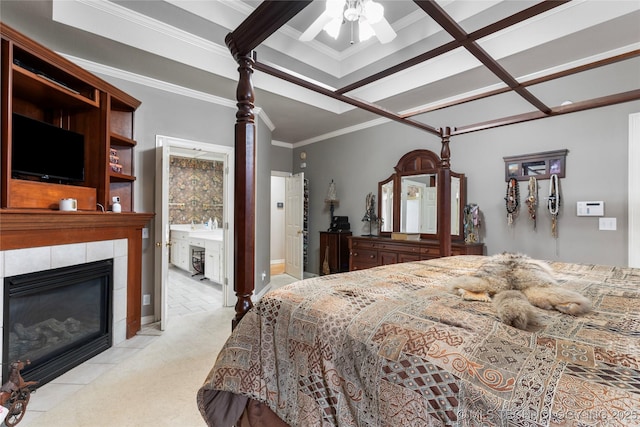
364 105
604 101
523 15
457 32
526 83
265 20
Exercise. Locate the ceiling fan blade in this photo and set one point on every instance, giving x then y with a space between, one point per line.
383 31
317 26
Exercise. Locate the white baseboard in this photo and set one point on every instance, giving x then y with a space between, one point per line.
145 320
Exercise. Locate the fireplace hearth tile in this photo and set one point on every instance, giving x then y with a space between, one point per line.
120 273
120 248
67 255
100 250
52 395
22 261
83 374
114 355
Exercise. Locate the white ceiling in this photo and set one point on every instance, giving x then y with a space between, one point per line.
182 42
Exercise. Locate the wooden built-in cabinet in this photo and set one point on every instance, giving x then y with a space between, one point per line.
44 86
366 252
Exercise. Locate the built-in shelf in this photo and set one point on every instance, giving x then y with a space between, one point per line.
48 94
44 86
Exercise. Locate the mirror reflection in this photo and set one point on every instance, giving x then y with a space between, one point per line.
419 204
455 205
386 206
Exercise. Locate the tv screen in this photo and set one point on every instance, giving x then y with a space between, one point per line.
42 150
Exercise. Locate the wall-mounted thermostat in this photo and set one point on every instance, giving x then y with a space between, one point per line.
591 208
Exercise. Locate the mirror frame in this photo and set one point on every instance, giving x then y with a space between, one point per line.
419 162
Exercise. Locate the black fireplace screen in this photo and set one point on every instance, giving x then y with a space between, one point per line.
57 318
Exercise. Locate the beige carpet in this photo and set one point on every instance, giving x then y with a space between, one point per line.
155 387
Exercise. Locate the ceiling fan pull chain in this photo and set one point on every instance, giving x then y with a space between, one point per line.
351 42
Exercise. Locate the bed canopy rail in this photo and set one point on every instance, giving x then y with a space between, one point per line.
270 15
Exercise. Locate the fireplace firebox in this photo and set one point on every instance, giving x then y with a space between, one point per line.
57 318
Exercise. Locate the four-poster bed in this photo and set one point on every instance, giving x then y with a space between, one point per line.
300 334
269 16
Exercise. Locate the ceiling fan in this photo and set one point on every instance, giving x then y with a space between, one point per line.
368 13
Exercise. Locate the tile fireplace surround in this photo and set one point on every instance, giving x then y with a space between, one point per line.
30 260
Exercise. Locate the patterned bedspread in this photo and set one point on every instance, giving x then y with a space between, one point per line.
389 346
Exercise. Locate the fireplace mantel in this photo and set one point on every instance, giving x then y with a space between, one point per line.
30 228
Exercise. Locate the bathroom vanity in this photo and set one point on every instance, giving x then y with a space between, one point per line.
187 240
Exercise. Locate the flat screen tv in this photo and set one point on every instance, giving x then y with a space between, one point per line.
45 151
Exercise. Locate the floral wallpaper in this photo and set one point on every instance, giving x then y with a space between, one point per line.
195 190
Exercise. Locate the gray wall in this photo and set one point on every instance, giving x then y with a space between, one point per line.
281 159
597 169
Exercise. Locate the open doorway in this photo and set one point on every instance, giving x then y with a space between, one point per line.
289 224
196 237
278 218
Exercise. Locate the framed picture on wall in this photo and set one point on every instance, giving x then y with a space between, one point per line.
538 165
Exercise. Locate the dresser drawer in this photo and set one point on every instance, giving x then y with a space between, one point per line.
362 265
357 244
391 247
430 251
361 255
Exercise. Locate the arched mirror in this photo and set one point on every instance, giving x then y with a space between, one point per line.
411 200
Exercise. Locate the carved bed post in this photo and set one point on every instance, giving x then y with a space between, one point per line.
444 185
245 178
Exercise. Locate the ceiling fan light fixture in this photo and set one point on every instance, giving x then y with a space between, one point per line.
365 32
373 11
333 27
334 8
351 14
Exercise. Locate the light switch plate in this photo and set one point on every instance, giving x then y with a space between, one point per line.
608 224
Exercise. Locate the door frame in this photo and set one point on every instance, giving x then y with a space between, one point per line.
634 191
171 145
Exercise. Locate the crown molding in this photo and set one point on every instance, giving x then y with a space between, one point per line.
106 70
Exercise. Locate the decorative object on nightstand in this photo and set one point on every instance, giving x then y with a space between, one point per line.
332 198
472 223
340 223
370 215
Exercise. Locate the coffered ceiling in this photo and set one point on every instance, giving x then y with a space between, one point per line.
182 42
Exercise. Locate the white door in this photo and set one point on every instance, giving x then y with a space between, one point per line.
165 146
294 225
162 234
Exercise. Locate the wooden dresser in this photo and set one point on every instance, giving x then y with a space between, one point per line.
367 252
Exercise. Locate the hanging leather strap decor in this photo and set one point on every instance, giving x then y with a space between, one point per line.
512 200
532 199
553 203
